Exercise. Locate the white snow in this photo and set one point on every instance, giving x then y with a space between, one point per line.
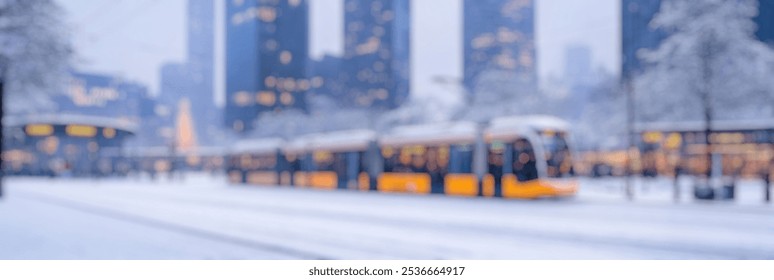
203 217
259 145
461 131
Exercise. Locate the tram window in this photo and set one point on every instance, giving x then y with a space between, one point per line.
495 160
264 162
461 159
293 162
558 158
416 158
363 162
524 162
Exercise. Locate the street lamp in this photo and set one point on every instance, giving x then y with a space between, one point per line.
3 67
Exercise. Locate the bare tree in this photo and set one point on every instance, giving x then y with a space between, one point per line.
34 53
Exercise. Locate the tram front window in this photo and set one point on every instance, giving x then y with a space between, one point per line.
558 157
524 163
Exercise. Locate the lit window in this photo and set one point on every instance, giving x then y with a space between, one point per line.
81 130
317 82
92 147
294 3
267 14
108 133
270 81
242 98
271 44
381 94
39 130
286 98
370 46
286 57
289 84
483 41
267 98
303 84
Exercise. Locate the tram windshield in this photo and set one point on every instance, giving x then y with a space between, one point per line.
557 154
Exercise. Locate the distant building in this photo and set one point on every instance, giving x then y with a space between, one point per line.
200 63
376 53
577 65
499 35
101 96
637 33
191 81
266 56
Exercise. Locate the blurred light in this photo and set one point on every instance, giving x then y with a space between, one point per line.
39 130
81 130
109 133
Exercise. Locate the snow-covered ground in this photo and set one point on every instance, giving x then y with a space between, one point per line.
205 218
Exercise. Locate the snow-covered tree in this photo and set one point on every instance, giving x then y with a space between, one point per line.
602 124
710 67
34 52
500 93
437 106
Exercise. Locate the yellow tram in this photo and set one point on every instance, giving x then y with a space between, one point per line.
523 157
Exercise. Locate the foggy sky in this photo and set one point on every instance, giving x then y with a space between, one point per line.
133 39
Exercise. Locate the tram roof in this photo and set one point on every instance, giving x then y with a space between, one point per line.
535 122
448 132
722 125
342 140
259 145
503 128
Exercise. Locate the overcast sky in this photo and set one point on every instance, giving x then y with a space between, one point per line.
132 38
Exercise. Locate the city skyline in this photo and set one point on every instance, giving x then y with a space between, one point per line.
432 53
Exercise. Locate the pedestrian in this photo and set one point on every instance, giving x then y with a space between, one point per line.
767 173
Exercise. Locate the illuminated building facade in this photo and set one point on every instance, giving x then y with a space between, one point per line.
65 145
376 53
499 35
266 56
101 96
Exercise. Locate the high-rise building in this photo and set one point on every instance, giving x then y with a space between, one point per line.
326 79
637 33
765 21
499 35
193 79
376 53
266 55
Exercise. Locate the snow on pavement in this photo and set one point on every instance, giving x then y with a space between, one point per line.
204 217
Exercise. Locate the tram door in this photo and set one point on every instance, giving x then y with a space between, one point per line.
495 159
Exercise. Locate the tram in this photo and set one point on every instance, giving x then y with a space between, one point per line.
517 157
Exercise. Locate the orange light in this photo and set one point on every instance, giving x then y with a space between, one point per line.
109 133
39 130
81 130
